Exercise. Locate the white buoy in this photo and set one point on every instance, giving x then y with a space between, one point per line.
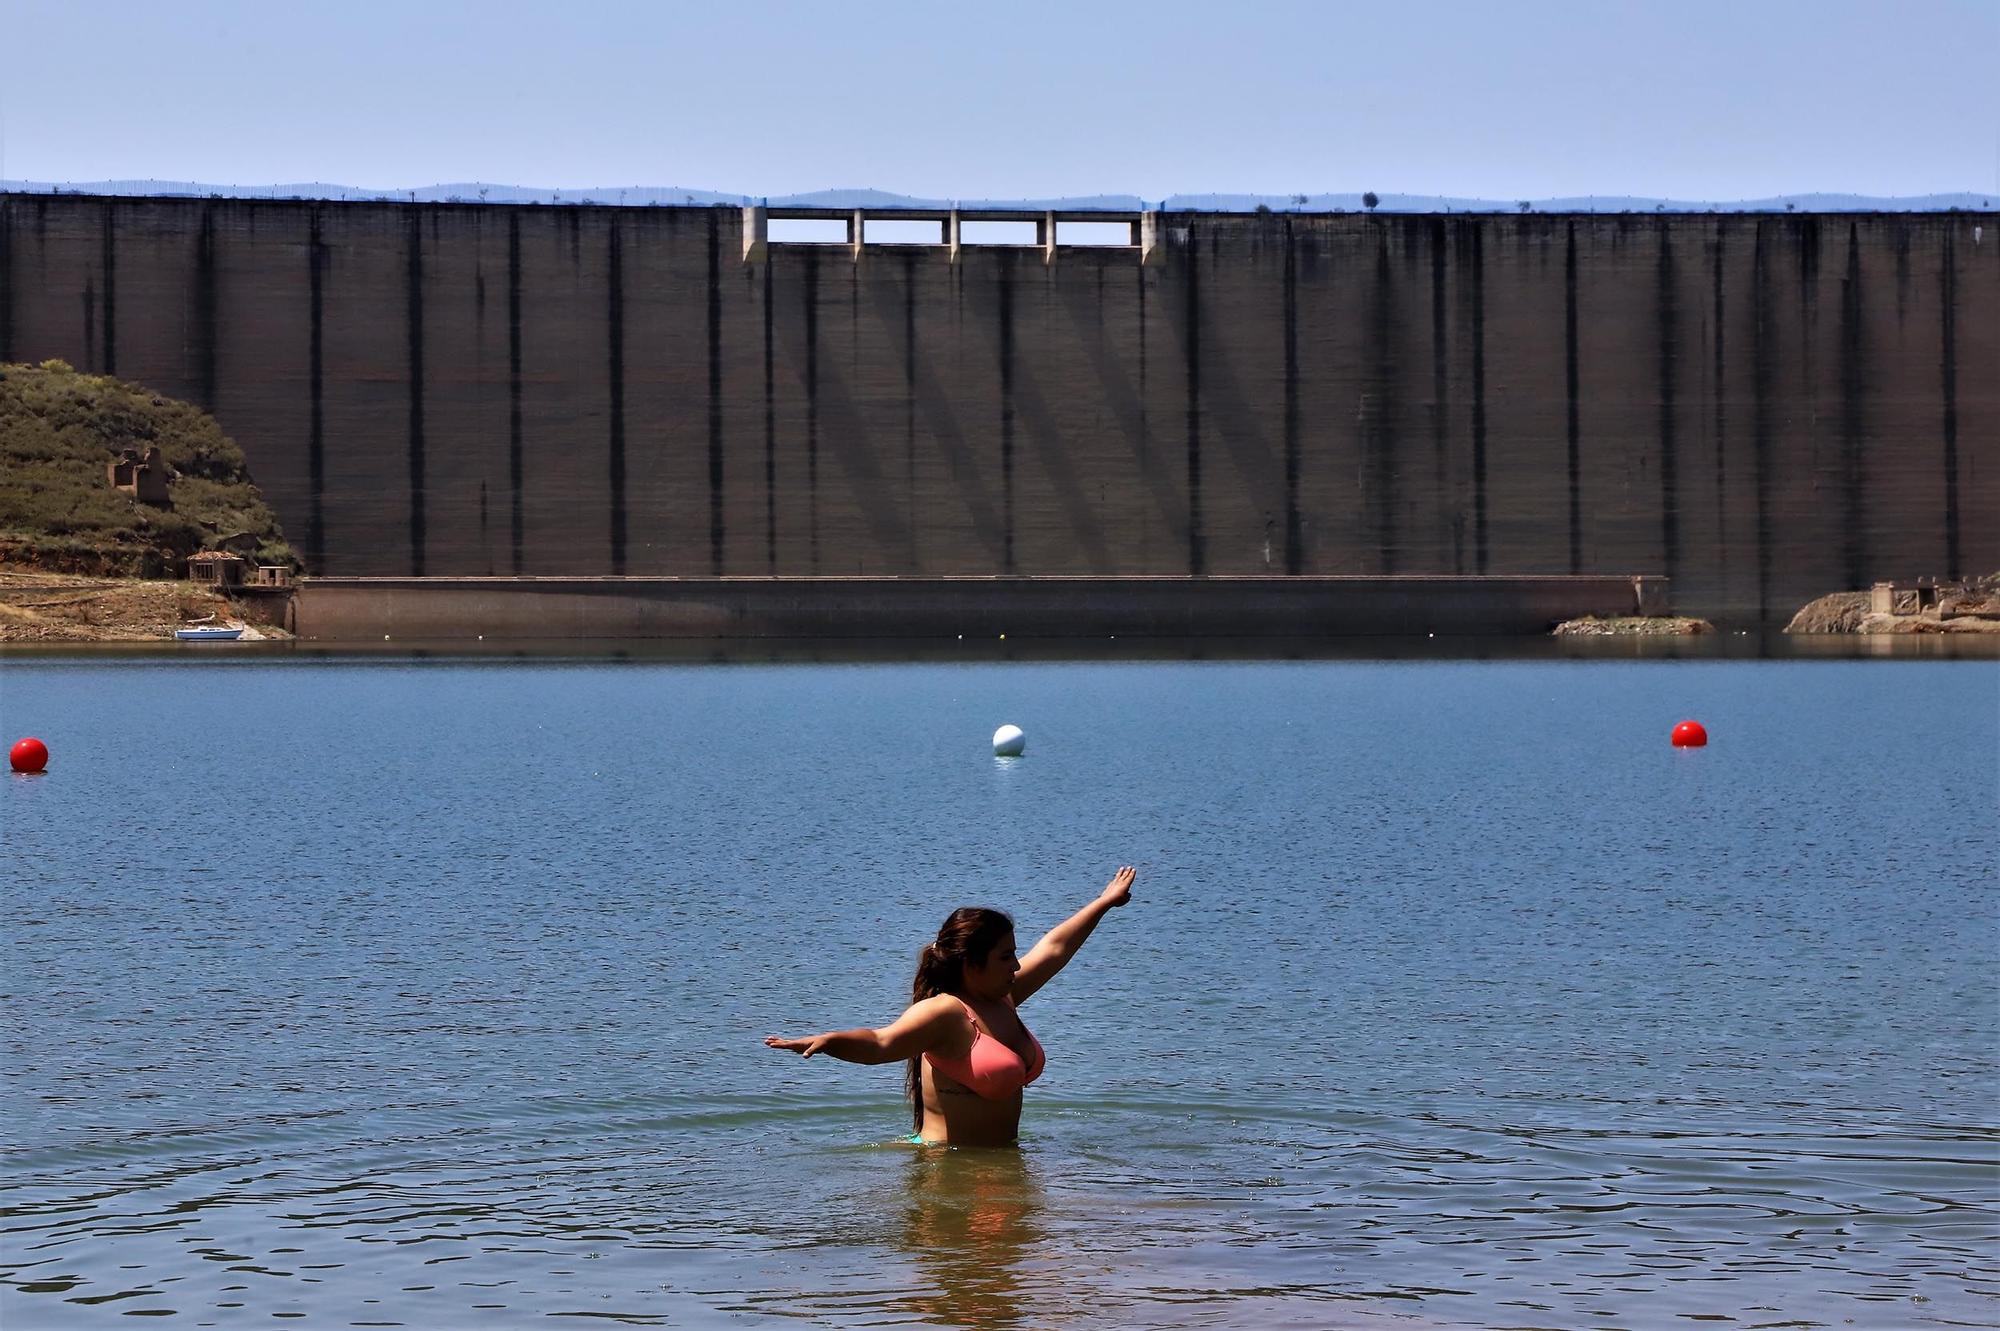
1009 742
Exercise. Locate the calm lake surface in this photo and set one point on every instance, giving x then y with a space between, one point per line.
432 994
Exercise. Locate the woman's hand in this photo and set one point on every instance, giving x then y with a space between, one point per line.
806 1047
1119 890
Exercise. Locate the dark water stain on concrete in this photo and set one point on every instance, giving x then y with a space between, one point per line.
1902 247
811 275
1478 265
1440 365
517 534
1145 406
1853 423
615 365
6 281
770 436
1763 375
910 258
108 264
716 532
1719 396
413 356
316 265
1191 293
1667 321
1006 315
1807 237
87 301
1294 544
1383 411
1948 366
1573 411
203 333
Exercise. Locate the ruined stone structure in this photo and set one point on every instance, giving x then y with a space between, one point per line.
141 475
1760 407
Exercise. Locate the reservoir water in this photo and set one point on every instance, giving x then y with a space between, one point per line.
432 994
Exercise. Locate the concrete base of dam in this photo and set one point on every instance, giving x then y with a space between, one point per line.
503 609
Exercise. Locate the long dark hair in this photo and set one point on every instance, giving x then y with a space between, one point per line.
968 934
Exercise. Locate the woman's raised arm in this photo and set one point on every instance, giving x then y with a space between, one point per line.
922 1026
1059 944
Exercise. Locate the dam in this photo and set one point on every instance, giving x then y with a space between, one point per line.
1758 408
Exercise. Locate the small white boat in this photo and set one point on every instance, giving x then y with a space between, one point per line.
209 633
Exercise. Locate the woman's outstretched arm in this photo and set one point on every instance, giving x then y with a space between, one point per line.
923 1026
1059 944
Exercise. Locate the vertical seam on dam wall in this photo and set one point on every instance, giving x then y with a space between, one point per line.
413 320
316 259
1762 316
614 314
812 408
1948 366
1294 553
1197 555
1006 318
1573 407
770 437
1720 395
1666 304
517 526
1478 397
910 400
1853 425
1145 446
1440 376
205 310
1384 413
715 460
108 260
6 282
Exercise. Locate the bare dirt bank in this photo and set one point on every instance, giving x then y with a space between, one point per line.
39 607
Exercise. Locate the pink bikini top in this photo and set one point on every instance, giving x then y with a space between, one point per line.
990 1069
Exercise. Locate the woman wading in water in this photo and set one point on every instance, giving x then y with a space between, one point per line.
968 1052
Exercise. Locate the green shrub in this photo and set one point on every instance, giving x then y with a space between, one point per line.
59 428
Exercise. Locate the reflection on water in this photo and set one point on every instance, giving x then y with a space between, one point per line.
432 993
1735 645
970 1228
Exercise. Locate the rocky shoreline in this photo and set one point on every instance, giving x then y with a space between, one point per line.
1972 608
1634 626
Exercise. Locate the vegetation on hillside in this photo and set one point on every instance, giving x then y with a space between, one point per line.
59 428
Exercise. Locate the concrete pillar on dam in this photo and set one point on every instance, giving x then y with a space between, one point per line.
756 233
952 233
1151 237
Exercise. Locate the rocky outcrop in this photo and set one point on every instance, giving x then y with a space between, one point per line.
1633 626
1974 608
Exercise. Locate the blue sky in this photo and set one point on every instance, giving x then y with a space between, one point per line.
1693 99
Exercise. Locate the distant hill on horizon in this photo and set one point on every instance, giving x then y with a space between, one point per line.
675 196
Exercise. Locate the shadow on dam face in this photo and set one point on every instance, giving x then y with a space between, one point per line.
1763 407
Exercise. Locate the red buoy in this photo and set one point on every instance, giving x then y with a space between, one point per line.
28 755
1689 735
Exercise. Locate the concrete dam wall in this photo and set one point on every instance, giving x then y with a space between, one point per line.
1761 408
